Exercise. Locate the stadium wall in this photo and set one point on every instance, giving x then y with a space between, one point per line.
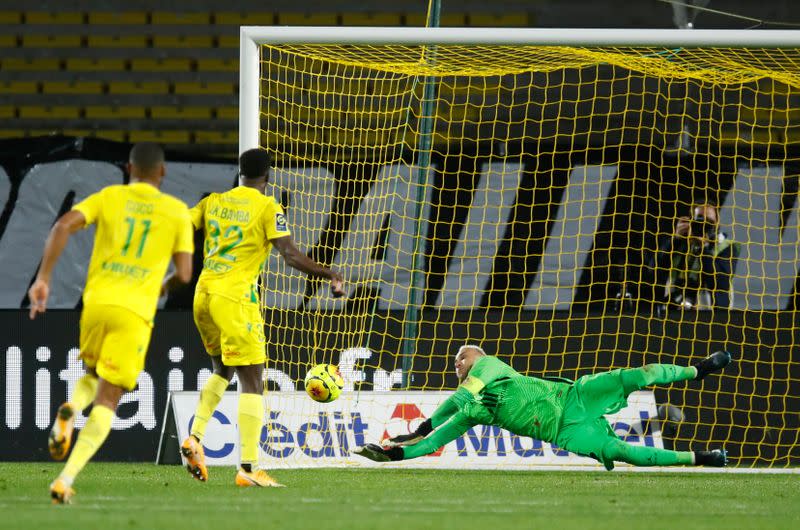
617 204
757 422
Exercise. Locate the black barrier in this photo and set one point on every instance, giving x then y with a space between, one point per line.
39 365
753 409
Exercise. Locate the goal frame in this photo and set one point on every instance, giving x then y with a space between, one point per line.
251 37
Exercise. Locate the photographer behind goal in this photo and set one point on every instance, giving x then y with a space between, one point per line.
693 267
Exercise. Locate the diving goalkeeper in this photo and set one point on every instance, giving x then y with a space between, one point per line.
570 415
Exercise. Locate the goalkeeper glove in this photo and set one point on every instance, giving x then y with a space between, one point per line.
402 440
376 453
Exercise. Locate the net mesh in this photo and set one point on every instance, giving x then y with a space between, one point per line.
537 221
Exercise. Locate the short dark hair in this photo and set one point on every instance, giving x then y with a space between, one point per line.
146 156
254 163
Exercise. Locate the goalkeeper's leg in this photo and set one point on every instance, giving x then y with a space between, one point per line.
596 439
618 451
655 374
663 374
607 392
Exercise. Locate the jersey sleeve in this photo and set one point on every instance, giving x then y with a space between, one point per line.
450 407
90 207
456 426
197 212
184 239
275 225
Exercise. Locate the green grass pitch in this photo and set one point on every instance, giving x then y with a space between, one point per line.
127 496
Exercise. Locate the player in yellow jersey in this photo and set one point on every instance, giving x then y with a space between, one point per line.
240 226
138 230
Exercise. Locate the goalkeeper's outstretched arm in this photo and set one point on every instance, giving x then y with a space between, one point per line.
442 413
456 426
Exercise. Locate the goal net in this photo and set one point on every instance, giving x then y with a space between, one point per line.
554 204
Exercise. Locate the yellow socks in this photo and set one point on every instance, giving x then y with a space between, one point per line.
89 441
85 390
251 420
209 399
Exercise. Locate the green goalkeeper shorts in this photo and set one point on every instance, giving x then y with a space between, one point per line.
584 429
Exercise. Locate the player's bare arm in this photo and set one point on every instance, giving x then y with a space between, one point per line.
67 224
182 274
296 259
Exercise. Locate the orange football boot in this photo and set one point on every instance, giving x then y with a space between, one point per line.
60 439
60 492
257 477
192 451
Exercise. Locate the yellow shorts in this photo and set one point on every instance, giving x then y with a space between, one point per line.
114 343
231 329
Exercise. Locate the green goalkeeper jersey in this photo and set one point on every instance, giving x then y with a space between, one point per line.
569 414
495 394
527 406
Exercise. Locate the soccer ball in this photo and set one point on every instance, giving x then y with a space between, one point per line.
324 383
